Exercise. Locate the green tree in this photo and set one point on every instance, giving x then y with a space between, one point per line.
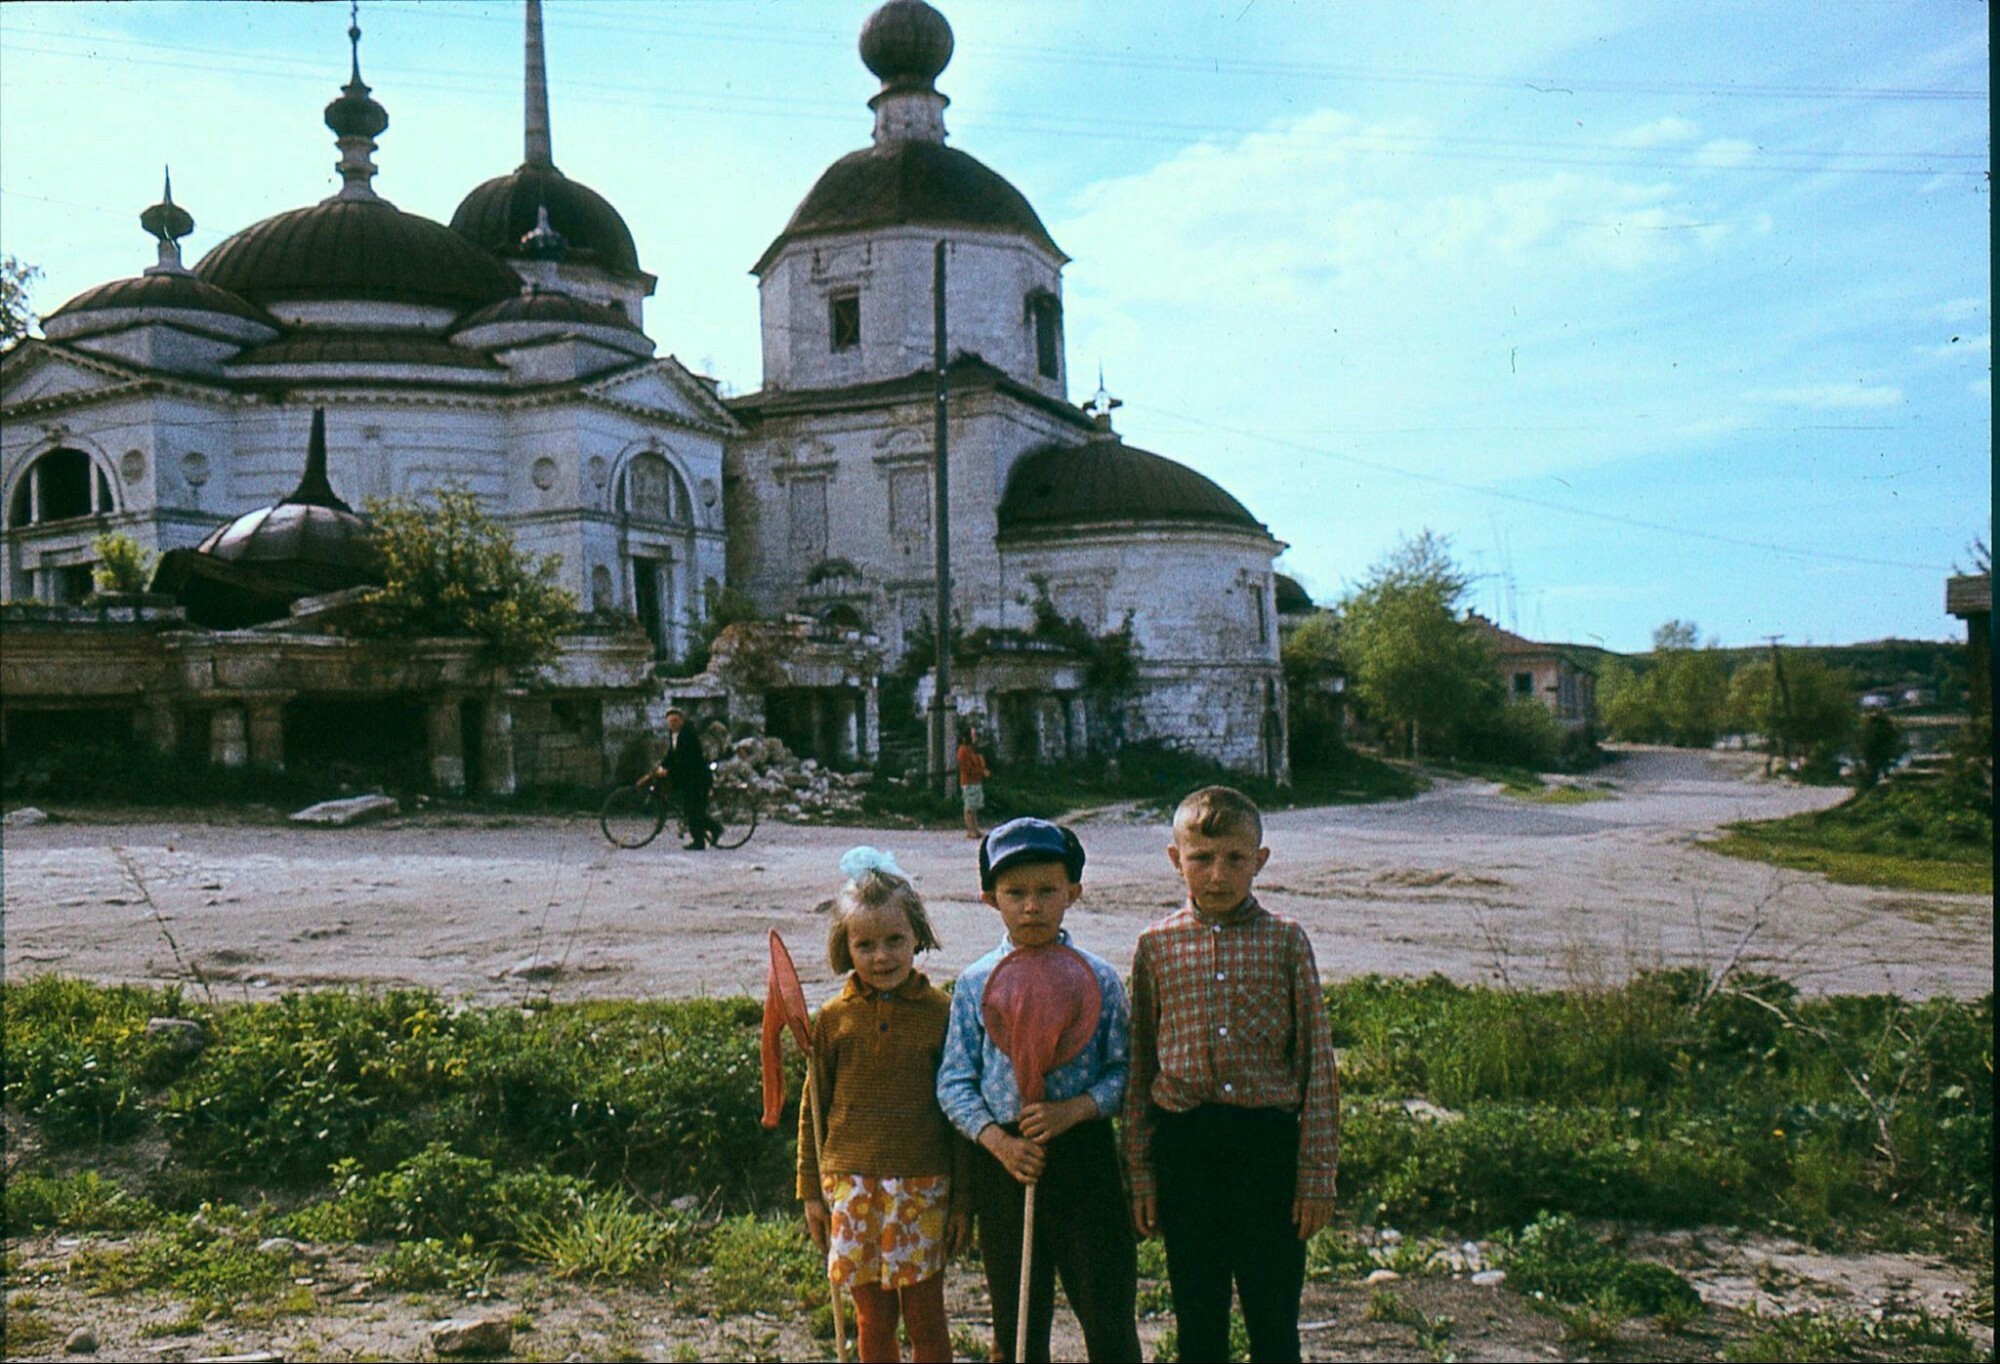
1310 656
1412 660
450 570
1628 704
122 566
17 318
1804 707
1680 695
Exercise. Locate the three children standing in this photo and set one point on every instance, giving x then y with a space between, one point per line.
1221 1069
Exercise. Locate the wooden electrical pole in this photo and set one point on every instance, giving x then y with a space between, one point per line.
941 534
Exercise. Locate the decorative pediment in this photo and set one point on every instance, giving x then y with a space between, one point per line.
668 388
38 373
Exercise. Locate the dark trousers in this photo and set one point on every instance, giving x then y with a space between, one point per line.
1083 1231
1226 1178
694 809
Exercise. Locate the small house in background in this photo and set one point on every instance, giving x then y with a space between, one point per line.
1969 596
1549 673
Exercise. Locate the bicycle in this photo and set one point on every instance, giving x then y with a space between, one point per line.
633 816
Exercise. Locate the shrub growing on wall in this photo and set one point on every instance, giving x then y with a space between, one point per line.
451 570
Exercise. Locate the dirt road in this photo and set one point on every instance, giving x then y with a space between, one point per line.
1463 880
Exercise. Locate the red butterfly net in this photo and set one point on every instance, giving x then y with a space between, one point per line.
1041 1006
784 1007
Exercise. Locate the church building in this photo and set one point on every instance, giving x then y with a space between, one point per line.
1100 594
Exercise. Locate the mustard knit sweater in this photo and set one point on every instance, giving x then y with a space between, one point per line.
874 1065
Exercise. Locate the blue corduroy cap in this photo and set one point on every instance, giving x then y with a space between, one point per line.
1028 840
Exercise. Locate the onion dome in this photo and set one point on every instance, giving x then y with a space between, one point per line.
907 44
311 539
165 288
356 245
539 306
1109 482
498 215
909 176
506 214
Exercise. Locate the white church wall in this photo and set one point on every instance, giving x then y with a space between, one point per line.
988 279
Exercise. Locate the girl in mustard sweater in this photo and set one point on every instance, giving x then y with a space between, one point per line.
884 1196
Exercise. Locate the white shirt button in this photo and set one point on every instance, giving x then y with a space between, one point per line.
1223 1031
1229 1089
1218 975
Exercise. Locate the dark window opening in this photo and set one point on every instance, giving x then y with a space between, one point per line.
59 487
1524 685
844 320
383 741
1046 310
646 600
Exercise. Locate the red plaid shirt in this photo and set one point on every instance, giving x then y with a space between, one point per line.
1230 1011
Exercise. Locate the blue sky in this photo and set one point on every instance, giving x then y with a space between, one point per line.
1657 310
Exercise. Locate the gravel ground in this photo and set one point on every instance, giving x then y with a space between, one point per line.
1463 880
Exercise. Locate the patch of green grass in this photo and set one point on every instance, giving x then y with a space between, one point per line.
430 1265
1915 836
764 1264
1895 871
85 1201
210 1258
1561 795
25 1330
1553 1257
1812 1336
604 1237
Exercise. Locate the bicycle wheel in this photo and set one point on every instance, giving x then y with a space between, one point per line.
735 810
632 816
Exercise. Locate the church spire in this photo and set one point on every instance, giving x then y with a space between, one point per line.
356 121
168 222
535 133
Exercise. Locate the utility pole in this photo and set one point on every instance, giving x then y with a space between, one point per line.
941 534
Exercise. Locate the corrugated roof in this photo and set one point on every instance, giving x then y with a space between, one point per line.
357 249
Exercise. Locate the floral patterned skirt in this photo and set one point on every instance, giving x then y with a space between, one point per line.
885 1231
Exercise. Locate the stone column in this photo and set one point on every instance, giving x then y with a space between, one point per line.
162 724
228 741
496 744
871 722
1051 733
267 731
850 726
445 743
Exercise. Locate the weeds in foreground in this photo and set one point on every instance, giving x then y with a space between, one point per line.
1168 1348
1894 1335
1433 1333
766 1264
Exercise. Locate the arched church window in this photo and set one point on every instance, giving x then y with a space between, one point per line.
1045 311
61 486
654 492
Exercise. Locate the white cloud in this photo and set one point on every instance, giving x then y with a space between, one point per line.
1661 132
1831 397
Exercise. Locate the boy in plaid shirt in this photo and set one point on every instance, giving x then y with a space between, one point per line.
1232 1105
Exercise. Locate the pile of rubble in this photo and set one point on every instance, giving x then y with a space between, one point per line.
792 788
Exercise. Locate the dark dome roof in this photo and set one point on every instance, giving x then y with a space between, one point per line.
1291 593
906 43
911 182
538 306
497 214
183 293
356 249
312 539
1107 480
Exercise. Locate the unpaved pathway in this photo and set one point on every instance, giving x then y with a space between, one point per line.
1463 880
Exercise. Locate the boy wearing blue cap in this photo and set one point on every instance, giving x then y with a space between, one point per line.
1031 871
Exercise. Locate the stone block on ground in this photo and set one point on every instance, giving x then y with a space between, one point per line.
463 1336
26 815
338 814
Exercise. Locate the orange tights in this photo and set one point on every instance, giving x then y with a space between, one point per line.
921 1307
